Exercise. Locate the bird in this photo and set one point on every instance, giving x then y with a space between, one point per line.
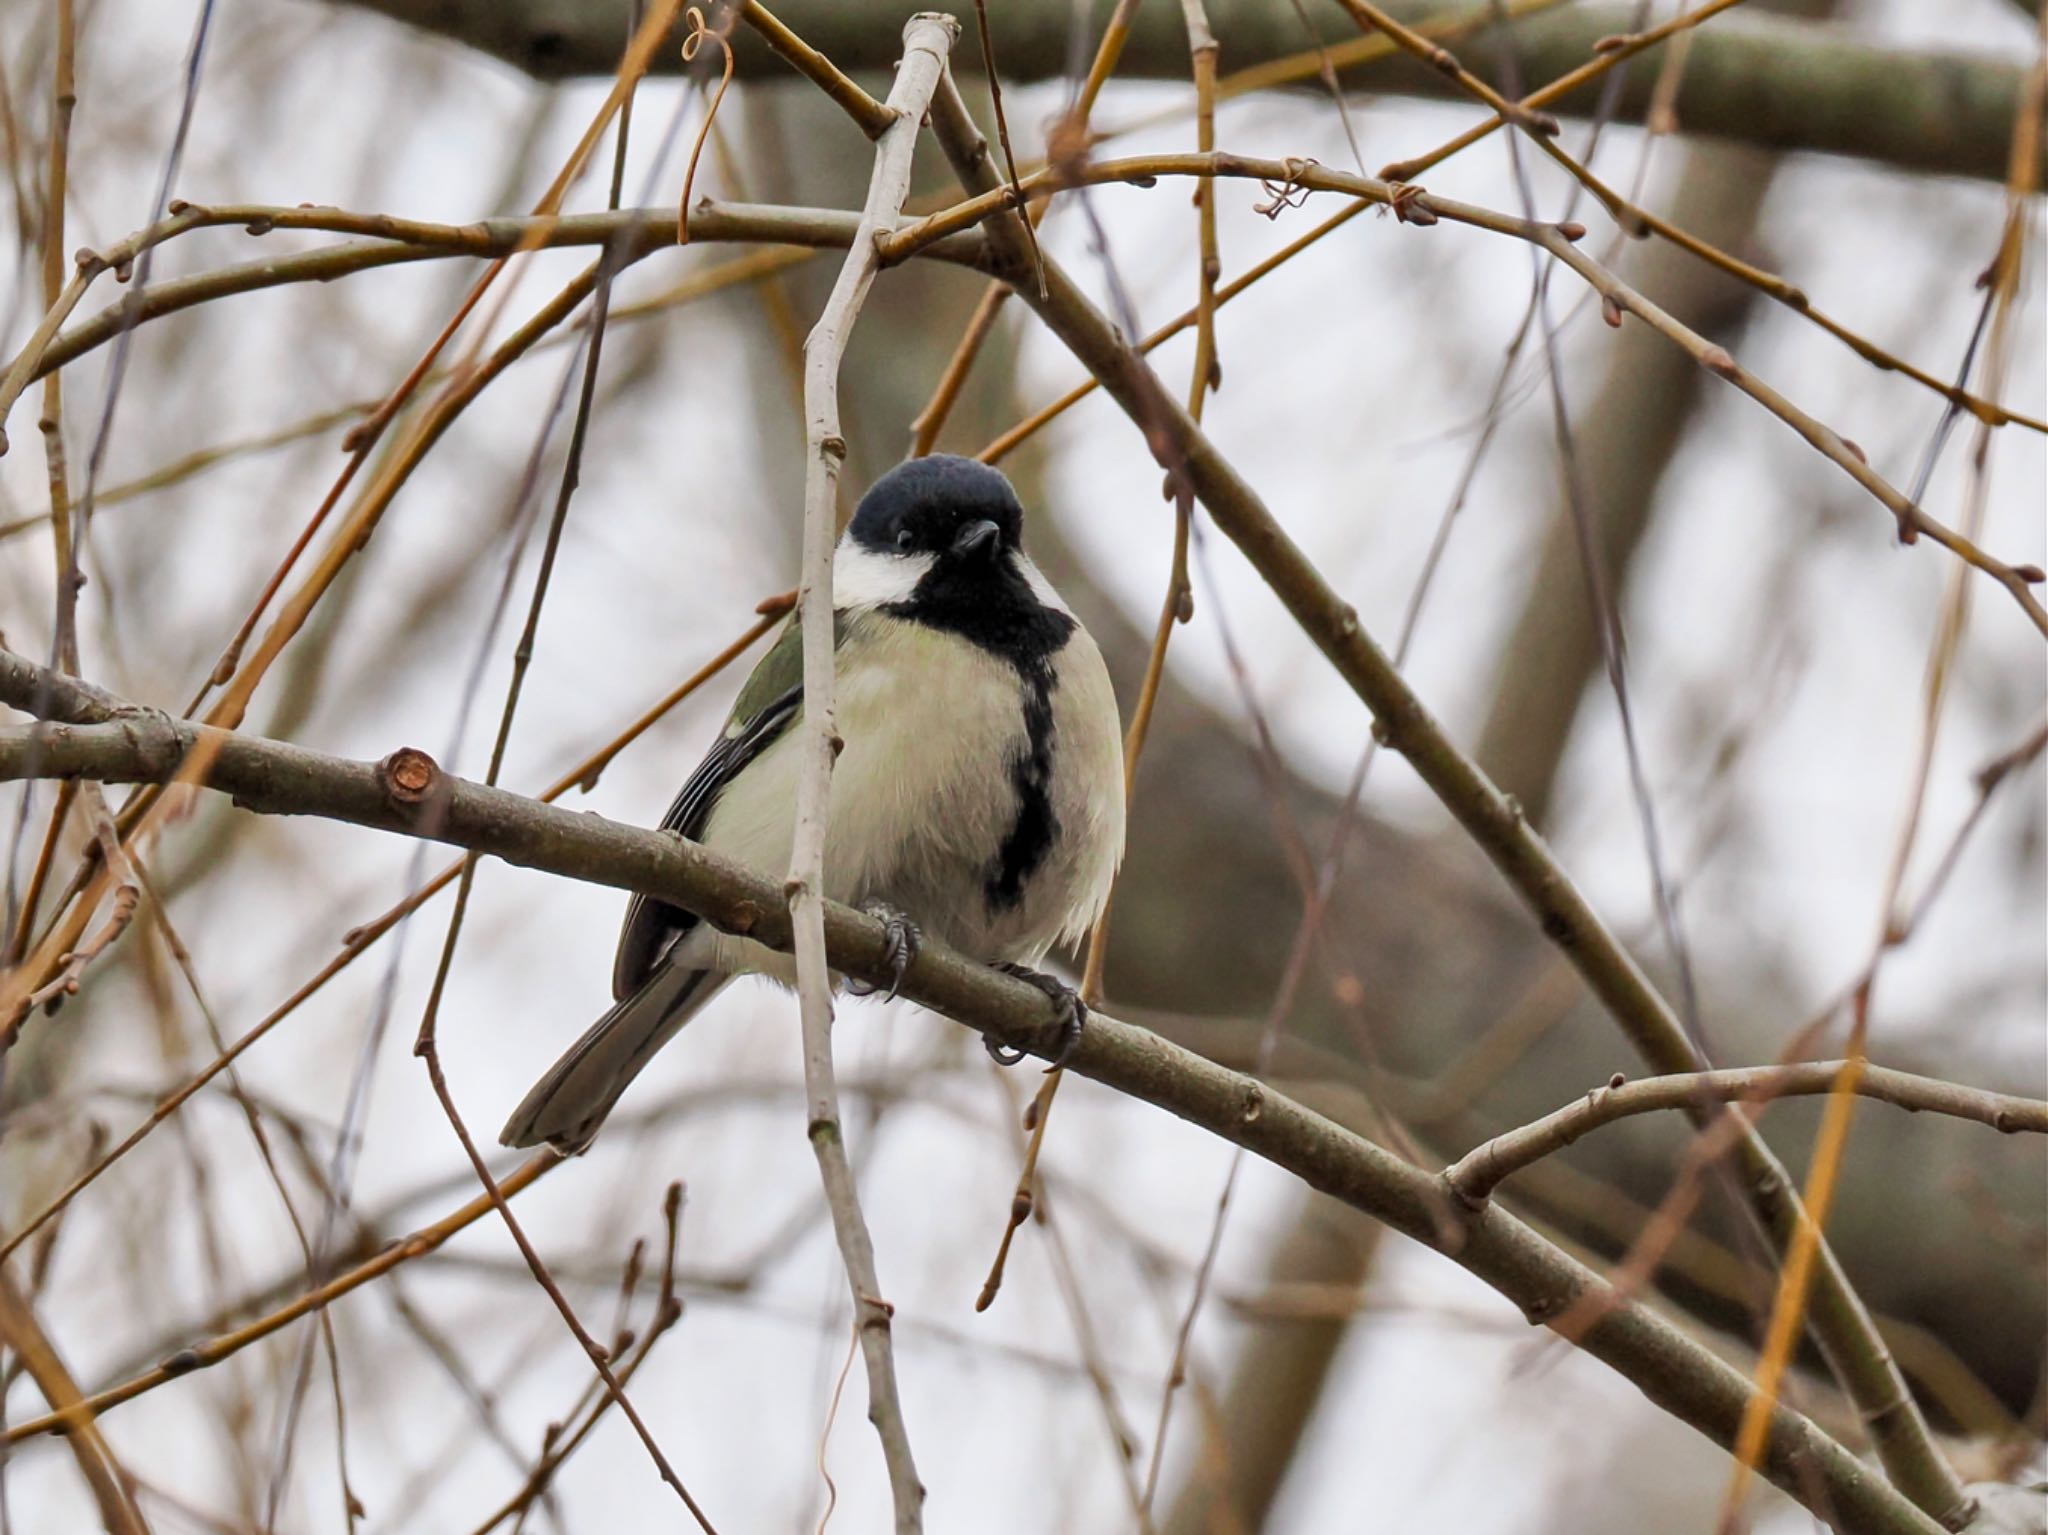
978 800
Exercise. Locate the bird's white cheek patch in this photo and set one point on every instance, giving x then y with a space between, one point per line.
868 578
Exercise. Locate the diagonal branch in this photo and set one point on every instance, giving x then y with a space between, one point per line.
24 1337
104 739
1840 1322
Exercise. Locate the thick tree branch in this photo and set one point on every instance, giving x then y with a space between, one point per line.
98 737
1837 1317
1777 85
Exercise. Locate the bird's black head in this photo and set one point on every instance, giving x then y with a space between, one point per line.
938 541
956 509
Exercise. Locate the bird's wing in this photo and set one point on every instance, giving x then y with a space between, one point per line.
768 703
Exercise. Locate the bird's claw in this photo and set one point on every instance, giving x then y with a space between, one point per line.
1067 1004
900 944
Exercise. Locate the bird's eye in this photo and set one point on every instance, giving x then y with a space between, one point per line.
903 538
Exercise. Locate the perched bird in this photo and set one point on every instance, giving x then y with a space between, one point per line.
979 798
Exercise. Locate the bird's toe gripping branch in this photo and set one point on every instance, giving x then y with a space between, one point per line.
1071 1011
899 947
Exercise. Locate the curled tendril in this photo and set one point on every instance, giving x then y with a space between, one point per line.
1405 205
1286 194
692 45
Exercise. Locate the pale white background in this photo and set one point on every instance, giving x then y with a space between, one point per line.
1439 1418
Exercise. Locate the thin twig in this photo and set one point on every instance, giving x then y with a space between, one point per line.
927 40
1474 1176
873 118
995 100
1071 131
1414 207
24 1337
1639 222
1015 437
391 242
212 1351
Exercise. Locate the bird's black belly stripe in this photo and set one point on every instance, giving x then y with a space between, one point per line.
998 612
1036 828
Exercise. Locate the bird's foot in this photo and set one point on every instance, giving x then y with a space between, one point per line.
899 948
1071 1011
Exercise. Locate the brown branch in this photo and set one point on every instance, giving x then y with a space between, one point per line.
212 1351
1839 1320
25 1338
641 233
1474 1176
874 117
407 794
1632 218
1416 207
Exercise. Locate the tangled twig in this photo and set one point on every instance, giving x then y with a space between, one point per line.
692 46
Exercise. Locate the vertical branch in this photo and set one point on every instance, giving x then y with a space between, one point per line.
1202 59
56 194
1789 1306
63 98
1177 608
927 40
1069 136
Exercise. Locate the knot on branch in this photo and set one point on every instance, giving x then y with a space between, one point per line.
1405 202
410 777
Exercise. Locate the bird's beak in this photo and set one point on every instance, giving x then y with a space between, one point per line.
981 538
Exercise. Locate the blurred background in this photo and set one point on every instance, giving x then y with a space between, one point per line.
1776 639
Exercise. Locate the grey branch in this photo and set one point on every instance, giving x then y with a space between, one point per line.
927 40
96 736
1474 1176
1776 84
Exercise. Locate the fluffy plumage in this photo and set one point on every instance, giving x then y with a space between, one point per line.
980 791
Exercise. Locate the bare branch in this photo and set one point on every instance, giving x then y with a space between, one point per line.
1474 1176
927 40
26 1340
640 232
407 793
1840 1322
1776 84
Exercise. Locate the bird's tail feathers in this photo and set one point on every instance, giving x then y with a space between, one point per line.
568 1104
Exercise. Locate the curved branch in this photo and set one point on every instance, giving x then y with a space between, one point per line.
1474 1176
393 241
101 738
